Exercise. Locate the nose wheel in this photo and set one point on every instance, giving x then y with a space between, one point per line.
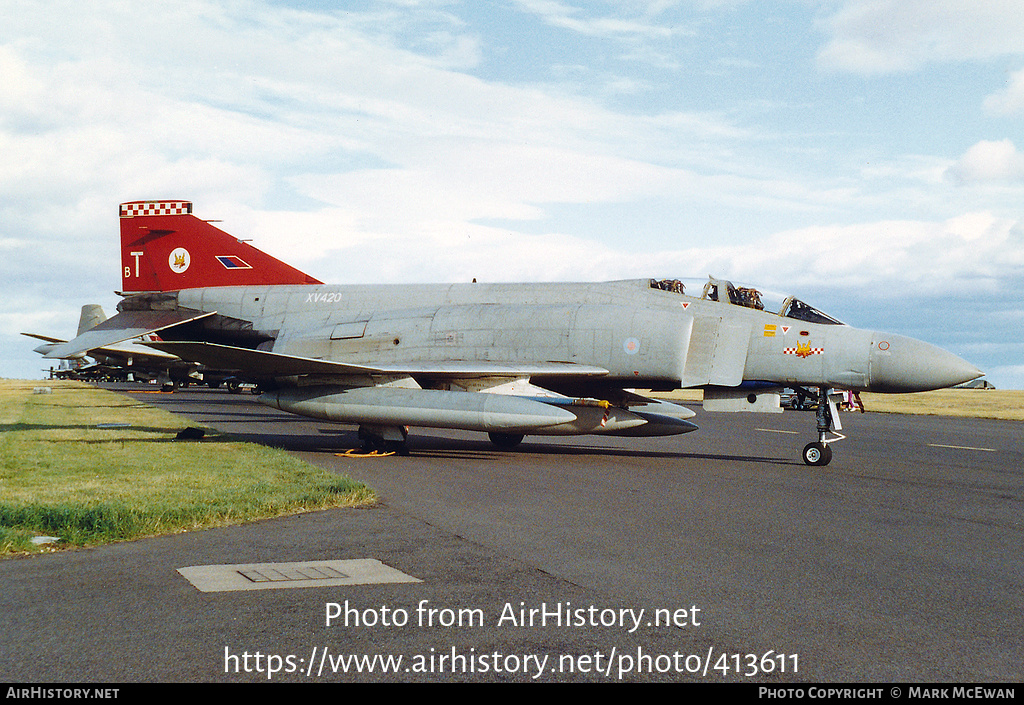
817 453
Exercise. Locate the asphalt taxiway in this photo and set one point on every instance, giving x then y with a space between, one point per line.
900 561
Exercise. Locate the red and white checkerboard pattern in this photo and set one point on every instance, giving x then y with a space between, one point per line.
130 210
804 352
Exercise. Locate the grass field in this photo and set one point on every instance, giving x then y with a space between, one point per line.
978 403
89 466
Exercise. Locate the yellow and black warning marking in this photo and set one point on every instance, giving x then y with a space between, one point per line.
360 453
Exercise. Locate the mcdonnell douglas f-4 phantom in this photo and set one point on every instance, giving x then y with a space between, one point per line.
505 359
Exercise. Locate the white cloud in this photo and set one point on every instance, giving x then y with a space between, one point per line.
928 258
926 170
1009 101
559 14
989 161
882 36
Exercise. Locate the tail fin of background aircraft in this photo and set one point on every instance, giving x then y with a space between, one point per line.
92 315
166 248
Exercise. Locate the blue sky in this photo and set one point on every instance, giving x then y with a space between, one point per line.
865 155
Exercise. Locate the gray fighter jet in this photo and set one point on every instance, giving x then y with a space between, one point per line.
505 359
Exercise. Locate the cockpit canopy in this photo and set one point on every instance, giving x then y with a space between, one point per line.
723 290
793 307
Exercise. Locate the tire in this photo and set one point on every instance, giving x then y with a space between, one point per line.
505 441
817 454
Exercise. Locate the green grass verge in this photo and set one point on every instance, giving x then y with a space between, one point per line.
972 403
89 467
977 403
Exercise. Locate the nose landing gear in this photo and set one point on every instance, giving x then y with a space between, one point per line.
819 453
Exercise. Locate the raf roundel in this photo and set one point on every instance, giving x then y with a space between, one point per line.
178 260
631 346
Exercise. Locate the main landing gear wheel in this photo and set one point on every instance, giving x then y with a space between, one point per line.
817 454
505 441
384 439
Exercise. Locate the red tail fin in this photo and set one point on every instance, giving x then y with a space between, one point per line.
166 248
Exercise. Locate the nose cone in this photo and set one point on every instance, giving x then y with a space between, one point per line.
901 364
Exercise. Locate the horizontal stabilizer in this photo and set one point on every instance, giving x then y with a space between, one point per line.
46 338
47 346
125 326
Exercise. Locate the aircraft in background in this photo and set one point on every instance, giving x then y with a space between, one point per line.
505 359
91 316
131 357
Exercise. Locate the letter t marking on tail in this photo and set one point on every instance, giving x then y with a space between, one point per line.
136 255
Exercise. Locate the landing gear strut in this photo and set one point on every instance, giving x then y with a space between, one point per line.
819 453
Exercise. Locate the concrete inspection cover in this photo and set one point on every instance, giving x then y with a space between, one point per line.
265 576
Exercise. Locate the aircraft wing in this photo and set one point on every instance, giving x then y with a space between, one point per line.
134 350
255 362
464 369
125 326
264 363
